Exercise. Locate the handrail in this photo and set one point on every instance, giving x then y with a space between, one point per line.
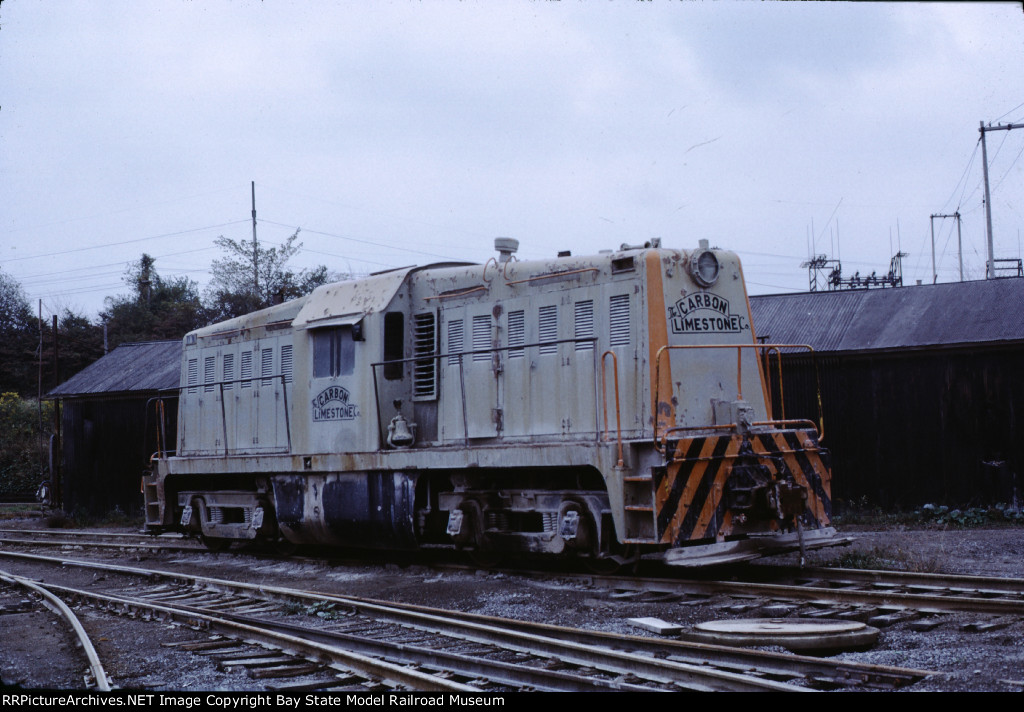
604 402
437 357
730 426
660 446
503 266
461 293
552 275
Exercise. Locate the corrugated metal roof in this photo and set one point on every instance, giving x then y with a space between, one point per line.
149 366
905 317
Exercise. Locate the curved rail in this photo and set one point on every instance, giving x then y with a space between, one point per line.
58 606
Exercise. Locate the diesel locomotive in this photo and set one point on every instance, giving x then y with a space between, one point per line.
607 407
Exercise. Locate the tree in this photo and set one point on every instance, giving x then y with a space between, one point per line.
80 342
157 309
21 457
248 278
19 339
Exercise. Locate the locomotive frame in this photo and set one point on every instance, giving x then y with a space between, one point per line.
357 416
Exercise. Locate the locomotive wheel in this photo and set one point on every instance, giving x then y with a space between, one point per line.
215 544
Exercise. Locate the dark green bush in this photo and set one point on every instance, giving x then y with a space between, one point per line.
22 450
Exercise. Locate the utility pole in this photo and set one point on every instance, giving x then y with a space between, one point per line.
990 271
255 248
959 245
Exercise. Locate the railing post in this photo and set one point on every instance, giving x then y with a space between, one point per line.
223 418
287 421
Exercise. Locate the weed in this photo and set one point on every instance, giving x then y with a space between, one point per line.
884 559
321 609
969 517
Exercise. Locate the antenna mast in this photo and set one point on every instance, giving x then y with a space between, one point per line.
255 248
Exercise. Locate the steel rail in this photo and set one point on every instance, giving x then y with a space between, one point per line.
88 532
703 653
284 641
661 671
59 607
748 589
951 582
564 644
179 545
510 674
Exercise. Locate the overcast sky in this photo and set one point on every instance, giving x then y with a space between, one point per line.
397 133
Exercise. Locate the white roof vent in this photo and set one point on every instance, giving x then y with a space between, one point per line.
506 247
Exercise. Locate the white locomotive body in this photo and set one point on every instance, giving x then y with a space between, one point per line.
608 407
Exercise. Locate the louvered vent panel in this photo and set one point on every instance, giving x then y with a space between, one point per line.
229 371
424 371
287 366
246 374
548 329
454 341
618 320
193 373
266 365
584 325
482 337
209 372
516 333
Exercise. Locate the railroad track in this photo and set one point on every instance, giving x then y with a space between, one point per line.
72 538
852 592
476 652
882 596
96 678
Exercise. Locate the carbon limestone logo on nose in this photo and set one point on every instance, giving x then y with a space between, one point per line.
332 404
705 313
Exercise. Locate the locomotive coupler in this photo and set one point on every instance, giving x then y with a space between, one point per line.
752 487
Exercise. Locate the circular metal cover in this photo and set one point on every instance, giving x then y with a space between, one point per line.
795 634
781 626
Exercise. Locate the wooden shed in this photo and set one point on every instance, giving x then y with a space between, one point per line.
108 426
921 387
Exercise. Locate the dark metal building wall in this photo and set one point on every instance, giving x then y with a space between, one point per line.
106 446
909 428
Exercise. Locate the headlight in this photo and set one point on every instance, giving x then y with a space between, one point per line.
704 267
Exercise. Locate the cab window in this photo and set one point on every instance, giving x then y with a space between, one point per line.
333 352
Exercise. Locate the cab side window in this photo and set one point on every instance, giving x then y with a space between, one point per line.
333 352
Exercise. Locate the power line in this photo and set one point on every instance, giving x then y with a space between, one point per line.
123 242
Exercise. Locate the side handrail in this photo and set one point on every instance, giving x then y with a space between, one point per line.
604 402
460 293
160 415
553 275
437 359
661 437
